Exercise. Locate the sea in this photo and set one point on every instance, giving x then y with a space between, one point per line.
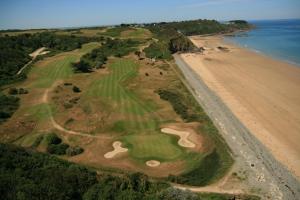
279 39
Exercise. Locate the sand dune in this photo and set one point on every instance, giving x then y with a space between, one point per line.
262 92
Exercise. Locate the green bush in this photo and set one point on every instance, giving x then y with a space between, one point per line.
57 149
73 151
68 105
52 138
12 91
158 50
180 43
23 91
8 106
82 66
37 141
76 89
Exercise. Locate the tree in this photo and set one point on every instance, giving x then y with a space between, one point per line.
12 91
76 89
180 43
82 66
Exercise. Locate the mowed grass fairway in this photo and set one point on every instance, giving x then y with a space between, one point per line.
58 67
139 115
139 128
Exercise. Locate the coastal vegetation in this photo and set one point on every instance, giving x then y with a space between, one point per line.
26 174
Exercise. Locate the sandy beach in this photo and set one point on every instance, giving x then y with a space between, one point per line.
262 92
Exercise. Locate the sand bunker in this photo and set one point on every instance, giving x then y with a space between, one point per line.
117 149
152 163
183 141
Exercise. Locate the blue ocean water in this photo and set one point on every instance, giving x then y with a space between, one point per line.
276 38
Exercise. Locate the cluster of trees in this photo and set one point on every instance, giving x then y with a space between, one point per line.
172 35
180 43
98 57
8 105
158 50
196 27
15 50
57 147
25 174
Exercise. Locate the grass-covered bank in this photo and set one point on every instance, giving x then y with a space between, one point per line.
215 163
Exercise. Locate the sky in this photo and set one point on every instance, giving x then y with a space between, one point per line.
26 14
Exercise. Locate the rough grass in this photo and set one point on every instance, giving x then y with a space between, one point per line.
140 33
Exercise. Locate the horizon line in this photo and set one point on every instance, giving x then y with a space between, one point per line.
107 25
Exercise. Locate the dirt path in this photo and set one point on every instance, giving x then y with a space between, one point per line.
264 172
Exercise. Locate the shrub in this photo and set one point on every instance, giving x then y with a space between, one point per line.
37 141
8 105
12 91
180 43
178 194
82 66
158 50
68 105
73 151
57 149
23 91
52 138
76 89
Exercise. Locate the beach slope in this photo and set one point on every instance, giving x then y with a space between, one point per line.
262 92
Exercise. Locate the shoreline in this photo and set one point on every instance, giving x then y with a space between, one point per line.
268 175
226 39
273 85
